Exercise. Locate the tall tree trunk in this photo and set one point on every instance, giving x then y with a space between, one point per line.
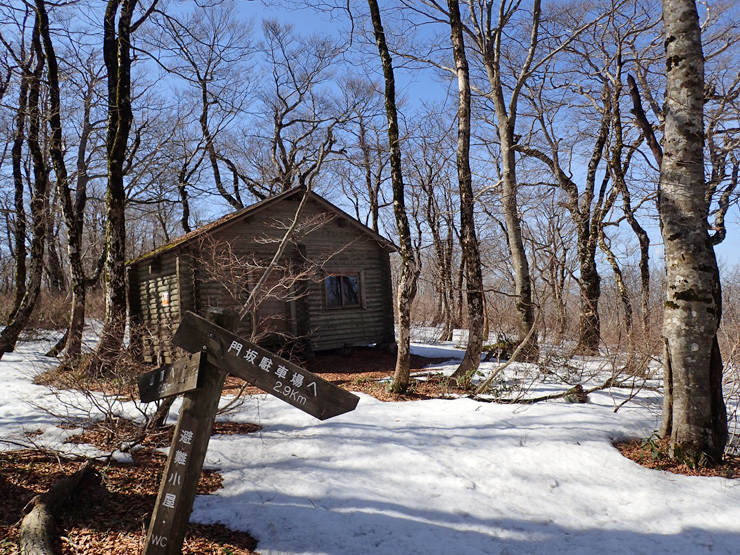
490 37
649 134
589 221
73 215
446 290
184 199
587 216
622 291
454 314
117 31
695 414
433 219
16 153
644 263
54 270
409 266
589 334
458 321
39 204
510 208
468 238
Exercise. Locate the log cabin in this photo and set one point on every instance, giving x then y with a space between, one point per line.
331 287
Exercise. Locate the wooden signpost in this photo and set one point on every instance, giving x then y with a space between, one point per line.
216 351
172 379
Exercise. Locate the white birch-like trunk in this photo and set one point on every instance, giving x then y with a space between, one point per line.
694 413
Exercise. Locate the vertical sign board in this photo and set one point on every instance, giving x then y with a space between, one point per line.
181 470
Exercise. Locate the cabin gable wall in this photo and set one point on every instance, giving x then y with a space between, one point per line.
324 244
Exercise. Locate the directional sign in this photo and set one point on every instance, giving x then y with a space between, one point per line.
185 461
263 369
171 379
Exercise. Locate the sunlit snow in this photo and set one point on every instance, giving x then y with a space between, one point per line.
453 476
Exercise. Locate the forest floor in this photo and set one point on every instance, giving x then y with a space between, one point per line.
111 512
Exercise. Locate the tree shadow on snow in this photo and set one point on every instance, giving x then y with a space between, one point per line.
328 526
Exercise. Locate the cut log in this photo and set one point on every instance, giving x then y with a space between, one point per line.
38 529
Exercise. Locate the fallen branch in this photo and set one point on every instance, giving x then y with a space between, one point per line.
37 535
610 383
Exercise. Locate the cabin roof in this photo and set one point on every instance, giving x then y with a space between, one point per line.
239 215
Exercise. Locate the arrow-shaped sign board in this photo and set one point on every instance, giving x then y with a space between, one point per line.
263 369
171 379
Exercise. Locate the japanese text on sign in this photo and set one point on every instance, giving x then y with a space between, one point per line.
180 458
291 388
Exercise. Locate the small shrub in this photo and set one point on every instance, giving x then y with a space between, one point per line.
51 312
577 395
652 443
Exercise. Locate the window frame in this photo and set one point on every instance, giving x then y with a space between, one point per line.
340 273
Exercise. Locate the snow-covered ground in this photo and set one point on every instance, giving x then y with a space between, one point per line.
437 477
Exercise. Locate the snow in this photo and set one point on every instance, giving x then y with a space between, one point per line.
439 476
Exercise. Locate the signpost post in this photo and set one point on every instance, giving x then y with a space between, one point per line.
217 350
187 453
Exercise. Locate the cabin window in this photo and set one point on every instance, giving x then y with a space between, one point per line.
343 290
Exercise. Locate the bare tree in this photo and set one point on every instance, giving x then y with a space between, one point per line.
363 168
118 28
694 414
186 155
210 50
552 234
39 199
409 264
73 205
301 113
429 156
486 24
468 238
586 204
488 34
24 60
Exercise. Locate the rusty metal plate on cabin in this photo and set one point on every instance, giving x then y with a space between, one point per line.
261 368
171 379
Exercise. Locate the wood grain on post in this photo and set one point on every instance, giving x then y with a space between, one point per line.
188 450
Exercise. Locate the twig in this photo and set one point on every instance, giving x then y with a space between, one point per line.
610 383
